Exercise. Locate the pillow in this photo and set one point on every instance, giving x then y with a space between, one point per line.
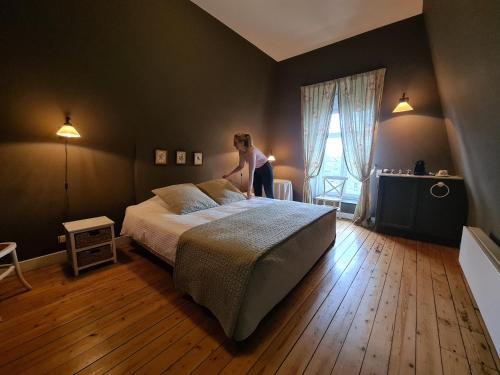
184 198
222 191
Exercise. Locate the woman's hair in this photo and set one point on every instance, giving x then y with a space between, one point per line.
246 139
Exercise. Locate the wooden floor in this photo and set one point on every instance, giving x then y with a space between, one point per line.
373 304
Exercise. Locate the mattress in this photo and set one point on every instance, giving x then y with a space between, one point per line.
151 223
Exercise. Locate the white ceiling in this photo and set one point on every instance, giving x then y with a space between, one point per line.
286 28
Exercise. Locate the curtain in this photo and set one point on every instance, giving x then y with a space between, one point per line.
317 107
359 98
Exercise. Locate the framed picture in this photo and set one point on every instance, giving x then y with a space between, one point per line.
180 157
197 158
160 157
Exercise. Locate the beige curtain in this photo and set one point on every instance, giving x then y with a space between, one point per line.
317 107
359 98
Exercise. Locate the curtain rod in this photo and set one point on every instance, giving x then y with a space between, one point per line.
345 76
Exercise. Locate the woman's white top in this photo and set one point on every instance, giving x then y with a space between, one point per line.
260 157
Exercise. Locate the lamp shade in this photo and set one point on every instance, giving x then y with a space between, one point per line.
271 158
403 105
68 130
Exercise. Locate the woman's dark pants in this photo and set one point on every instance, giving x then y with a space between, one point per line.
263 176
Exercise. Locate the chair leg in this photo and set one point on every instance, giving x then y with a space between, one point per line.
18 270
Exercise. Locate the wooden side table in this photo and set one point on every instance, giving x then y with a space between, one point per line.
90 242
7 248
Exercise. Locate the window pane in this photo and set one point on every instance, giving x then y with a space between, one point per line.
333 163
335 123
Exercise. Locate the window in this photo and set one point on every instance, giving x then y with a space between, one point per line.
334 164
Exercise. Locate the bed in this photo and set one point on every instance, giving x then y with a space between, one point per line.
238 259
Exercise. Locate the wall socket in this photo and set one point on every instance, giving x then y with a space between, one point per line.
61 238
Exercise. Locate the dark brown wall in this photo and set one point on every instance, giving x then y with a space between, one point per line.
135 75
403 50
465 42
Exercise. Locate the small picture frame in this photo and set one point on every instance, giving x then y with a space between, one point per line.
197 158
180 157
161 157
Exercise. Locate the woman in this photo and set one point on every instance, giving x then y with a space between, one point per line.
260 172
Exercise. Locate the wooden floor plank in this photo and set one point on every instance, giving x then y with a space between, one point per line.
101 358
476 346
46 332
454 364
168 357
378 351
148 352
46 316
493 351
463 304
271 359
352 353
449 332
354 312
152 322
427 348
215 361
78 341
331 342
402 359
304 348
11 287
85 287
194 357
491 346
478 369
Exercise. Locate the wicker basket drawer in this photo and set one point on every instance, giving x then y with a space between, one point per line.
92 237
86 257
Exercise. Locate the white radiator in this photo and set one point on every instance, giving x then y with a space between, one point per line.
480 261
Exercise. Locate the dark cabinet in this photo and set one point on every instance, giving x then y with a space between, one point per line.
422 207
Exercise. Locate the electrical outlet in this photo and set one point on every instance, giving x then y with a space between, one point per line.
61 238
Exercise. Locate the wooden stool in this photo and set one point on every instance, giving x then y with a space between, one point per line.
10 248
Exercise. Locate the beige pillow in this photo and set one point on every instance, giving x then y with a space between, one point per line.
222 191
184 198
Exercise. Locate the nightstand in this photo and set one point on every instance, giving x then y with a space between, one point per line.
90 242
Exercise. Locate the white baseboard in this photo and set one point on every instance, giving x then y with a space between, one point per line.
58 257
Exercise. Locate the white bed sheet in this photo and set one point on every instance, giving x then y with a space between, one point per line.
152 224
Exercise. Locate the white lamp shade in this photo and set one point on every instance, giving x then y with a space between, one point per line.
271 158
403 105
68 131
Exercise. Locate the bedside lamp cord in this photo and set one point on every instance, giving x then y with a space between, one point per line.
66 165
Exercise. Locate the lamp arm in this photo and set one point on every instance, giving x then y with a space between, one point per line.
66 185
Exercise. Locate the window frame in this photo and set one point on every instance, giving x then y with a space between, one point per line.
347 197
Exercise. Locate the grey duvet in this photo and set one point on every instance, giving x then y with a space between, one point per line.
241 266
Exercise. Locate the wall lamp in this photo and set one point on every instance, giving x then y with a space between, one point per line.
271 157
67 131
403 105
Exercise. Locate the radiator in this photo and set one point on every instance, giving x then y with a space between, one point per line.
480 261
